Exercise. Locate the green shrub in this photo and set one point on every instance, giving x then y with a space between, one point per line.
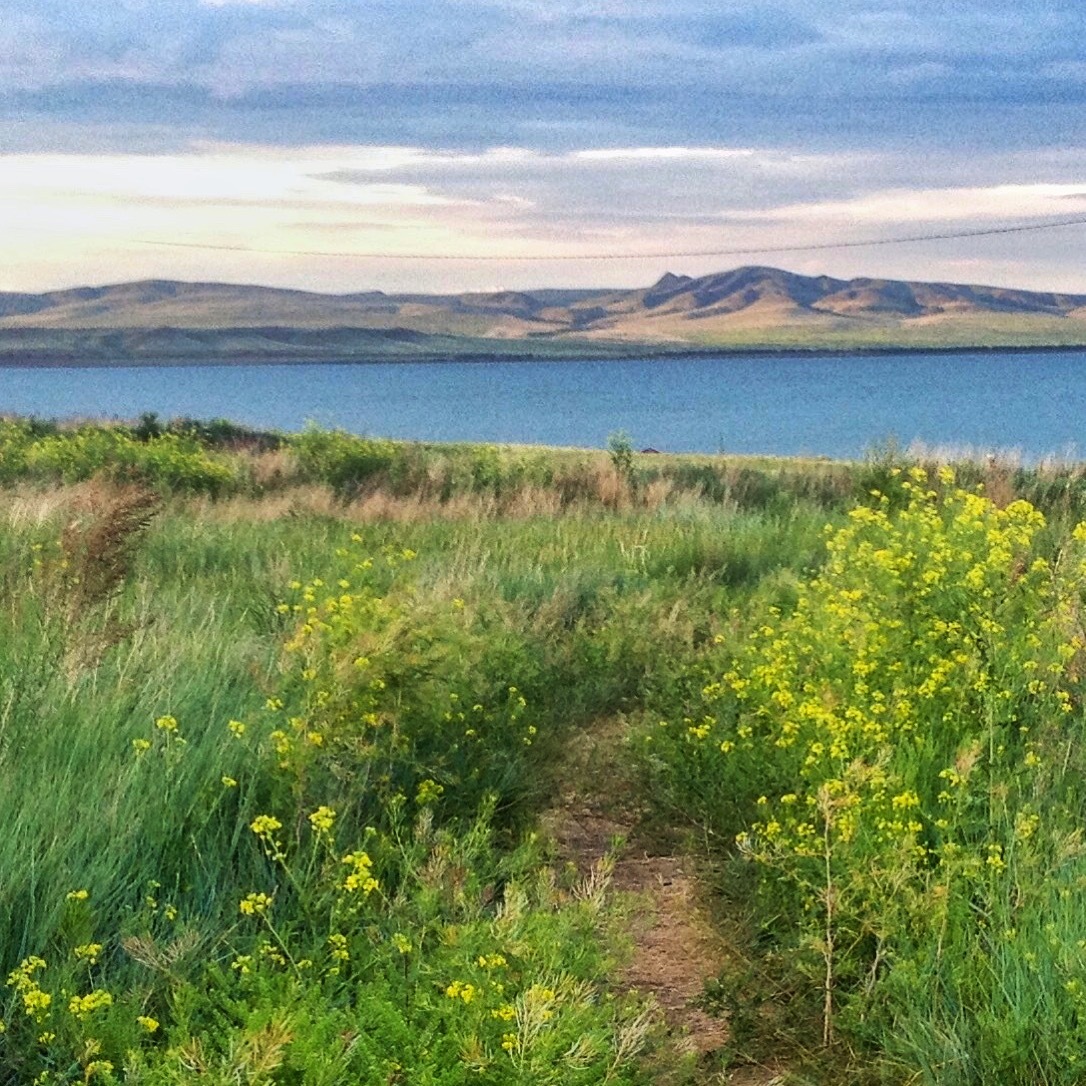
167 462
341 460
897 755
16 440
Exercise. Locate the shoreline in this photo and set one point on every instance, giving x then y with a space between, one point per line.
18 360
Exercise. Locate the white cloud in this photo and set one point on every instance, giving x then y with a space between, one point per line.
89 218
641 154
934 205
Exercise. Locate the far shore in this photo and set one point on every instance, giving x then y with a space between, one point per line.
640 352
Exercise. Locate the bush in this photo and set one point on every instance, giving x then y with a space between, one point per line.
897 759
341 460
168 462
397 698
16 439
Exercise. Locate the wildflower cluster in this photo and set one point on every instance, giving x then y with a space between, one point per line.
889 737
266 827
82 1007
929 632
36 1001
364 886
359 877
403 693
88 952
255 904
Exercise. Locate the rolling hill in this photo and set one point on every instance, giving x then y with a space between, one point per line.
748 307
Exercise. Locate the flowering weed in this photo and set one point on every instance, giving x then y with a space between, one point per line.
899 758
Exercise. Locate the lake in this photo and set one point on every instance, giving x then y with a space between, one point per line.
835 406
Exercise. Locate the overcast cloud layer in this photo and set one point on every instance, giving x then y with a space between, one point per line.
514 128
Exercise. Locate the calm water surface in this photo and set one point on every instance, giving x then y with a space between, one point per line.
831 406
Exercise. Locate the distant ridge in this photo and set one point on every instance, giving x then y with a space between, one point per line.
745 307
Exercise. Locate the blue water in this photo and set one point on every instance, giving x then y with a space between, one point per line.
830 406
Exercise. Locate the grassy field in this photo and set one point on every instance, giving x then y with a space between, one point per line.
279 719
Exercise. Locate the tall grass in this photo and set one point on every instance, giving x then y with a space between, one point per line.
135 629
334 671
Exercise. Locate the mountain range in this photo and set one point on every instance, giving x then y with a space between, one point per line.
749 307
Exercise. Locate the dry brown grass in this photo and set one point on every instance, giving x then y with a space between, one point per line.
310 500
603 488
658 494
100 539
534 501
610 488
272 491
411 508
269 469
32 507
79 577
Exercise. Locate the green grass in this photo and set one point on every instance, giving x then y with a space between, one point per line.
192 628
375 613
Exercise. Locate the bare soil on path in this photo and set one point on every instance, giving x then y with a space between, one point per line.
675 947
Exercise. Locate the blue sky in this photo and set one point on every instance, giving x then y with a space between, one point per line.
512 129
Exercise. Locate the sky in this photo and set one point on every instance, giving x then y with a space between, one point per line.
346 145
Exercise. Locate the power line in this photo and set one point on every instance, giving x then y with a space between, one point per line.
678 254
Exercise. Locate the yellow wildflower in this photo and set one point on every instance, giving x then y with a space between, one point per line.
265 825
428 792
36 1002
360 877
255 904
82 1007
460 990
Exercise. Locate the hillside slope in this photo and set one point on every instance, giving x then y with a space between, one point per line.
744 307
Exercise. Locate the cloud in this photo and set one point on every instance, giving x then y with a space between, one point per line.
373 210
767 49
626 155
897 207
613 121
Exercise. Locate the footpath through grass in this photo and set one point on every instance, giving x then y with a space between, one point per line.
273 750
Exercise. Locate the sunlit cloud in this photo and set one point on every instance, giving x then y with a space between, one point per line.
958 205
342 217
670 154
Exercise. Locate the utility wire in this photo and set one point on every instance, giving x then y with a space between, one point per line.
678 254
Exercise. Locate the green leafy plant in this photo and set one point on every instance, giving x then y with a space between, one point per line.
898 758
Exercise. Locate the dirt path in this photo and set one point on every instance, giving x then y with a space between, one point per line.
675 947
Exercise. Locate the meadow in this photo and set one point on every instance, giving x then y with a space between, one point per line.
280 718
